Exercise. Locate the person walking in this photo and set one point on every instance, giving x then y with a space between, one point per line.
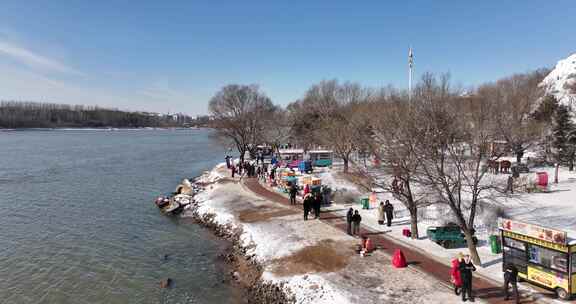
511 278
466 268
227 161
316 205
381 214
233 169
293 192
455 277
306 189
356 219
510 185
349 216
272 174
307 205
389 209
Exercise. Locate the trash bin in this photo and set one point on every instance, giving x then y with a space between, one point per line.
365 202
495 244
542 179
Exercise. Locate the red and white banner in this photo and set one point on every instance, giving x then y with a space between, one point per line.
538 232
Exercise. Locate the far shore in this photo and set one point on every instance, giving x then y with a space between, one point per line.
101 129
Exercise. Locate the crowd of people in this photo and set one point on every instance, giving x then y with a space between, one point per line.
255 168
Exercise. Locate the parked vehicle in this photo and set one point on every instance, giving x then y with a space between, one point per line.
544 256
321 158
449 236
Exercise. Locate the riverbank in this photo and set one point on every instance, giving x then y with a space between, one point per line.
246 272
296 261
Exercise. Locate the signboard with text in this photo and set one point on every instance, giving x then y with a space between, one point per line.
538 232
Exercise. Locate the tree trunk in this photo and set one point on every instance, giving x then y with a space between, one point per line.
345 165
472 247
242 152
414 223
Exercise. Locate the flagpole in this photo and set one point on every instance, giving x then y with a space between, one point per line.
410 63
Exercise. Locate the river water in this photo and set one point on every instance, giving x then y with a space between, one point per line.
78 223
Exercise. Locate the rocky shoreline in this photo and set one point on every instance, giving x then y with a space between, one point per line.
246 273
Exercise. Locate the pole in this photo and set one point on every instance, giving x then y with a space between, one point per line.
410 83
410 65
556 173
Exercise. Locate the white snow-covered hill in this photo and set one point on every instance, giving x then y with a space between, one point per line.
558 81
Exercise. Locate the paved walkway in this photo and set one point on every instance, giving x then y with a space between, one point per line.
484 289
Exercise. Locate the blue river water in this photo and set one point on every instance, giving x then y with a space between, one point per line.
78 224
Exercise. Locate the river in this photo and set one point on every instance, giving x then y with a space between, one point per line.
78 223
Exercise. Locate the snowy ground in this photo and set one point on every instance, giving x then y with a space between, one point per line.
316 260
553 208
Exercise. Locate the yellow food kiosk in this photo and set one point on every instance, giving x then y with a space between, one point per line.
543 256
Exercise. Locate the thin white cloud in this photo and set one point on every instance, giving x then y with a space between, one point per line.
33 59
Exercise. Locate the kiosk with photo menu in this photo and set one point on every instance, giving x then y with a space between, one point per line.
543 256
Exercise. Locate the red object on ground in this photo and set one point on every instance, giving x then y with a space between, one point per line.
455 273
399 261
368 246
542 179
406 232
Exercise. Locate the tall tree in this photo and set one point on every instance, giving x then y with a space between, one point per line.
564 136
394 139
516 98
327 116
241 113
452 152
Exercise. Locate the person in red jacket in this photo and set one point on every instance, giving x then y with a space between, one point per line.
455 273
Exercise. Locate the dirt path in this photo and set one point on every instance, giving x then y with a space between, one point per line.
483 289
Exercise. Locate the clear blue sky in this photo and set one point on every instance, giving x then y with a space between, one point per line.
174 55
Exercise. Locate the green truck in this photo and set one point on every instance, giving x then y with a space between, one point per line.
449 236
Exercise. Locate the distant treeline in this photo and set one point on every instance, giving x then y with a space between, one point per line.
17 114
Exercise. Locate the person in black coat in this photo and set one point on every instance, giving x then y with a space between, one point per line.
307 205
511 278
316 205
356 219
293 192
389 210
349 221
466 269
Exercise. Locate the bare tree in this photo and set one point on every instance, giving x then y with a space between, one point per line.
240 113
277 129
394 142
340 133
453 153
326 116
516 98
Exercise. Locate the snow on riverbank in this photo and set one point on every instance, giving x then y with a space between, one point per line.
314 260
